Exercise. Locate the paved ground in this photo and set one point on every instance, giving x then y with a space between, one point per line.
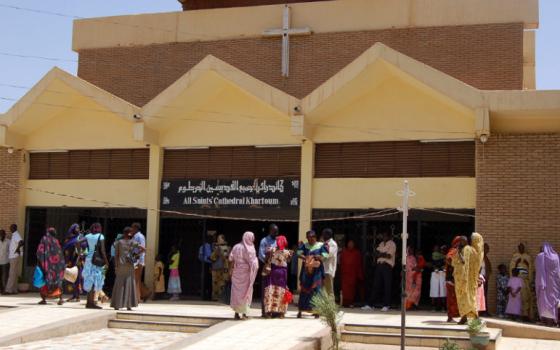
256 333
107 339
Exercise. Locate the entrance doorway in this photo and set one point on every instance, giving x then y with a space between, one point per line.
189 234
425 229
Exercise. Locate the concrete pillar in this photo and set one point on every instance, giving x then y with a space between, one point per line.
153 215
306 190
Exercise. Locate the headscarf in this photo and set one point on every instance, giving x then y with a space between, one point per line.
51 260
454 247
72 230
281 242
249 244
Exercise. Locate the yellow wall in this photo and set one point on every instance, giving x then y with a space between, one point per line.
85 127
232 117
394 110
132 193
358 193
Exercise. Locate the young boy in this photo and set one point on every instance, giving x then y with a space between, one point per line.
159 278
502 280
515 285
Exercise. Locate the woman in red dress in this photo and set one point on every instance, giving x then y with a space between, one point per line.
352 273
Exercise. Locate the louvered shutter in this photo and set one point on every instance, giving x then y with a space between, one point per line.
381 159
38 166
79 166
435 159
59 165
462 159
99 164
327 160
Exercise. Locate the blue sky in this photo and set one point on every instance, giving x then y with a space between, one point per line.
27 33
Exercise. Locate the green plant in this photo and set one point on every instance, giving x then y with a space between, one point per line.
325 306
450 345
475 326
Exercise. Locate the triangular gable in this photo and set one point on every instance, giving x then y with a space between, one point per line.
205 80
63 88
444 84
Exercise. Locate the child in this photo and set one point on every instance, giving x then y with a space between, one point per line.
515 285
501 291
174 283
159 278
438 291
480 298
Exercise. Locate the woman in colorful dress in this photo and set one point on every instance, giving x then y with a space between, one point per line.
50 261
311 277
94 276
352 273
74 255
244 267
174 283
452 306
276 292
414 266
220 274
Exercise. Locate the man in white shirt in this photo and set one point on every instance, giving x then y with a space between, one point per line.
139 238
4 260
383 278
14 256
330 261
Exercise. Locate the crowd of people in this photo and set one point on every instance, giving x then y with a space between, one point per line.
527 289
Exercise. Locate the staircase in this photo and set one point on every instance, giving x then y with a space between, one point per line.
162 323
433 337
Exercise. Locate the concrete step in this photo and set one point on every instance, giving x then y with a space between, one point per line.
157 326
448 332
429 341
179 319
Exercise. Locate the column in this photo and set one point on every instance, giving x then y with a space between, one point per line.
153 215
306 184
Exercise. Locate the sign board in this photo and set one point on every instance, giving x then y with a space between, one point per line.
281 193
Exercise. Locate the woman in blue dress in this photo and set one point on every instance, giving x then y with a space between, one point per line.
94 276
312 273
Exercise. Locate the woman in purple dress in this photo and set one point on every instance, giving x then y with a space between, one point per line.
547 284
276 292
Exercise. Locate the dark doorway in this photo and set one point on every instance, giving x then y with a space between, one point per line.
189 234
425 228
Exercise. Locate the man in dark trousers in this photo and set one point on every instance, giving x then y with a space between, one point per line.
385 254
266 245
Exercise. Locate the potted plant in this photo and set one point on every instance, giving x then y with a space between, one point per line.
450 345
479 339
325 306
23 285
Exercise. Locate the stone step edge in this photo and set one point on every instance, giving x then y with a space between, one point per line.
495 330
416 336
140 314
409 331
175 324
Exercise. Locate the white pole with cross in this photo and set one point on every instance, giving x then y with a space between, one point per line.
405 194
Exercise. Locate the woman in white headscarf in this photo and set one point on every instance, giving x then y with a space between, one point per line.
244 266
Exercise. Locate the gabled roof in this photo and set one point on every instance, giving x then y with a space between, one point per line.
374 61
58 91
206 80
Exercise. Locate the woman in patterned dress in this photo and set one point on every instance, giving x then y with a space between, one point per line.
50 261
276 293
312 273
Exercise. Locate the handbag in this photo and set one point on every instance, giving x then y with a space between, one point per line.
97 258
38 277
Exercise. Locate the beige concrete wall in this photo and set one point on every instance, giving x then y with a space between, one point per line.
394 110
358 193
329 16
127 193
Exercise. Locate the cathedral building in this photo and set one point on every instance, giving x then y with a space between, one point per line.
232 114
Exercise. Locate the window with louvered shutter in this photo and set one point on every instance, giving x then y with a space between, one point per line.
395 159
232 163
91 164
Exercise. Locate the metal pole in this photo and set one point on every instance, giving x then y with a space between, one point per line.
406 193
